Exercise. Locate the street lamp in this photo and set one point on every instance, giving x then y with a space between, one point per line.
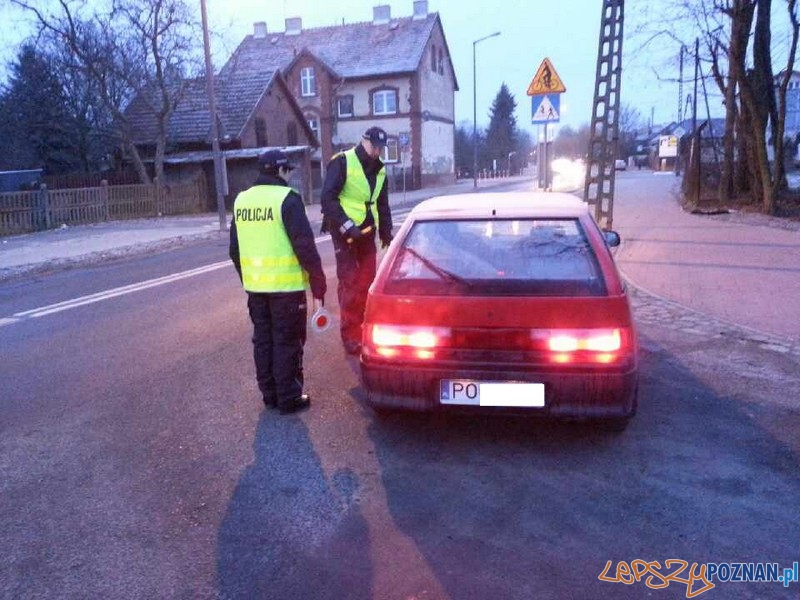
475 112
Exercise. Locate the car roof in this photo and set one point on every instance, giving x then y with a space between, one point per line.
501 205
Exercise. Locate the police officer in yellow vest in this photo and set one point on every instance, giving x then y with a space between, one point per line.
273 249
355 205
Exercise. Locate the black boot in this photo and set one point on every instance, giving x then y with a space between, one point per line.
298 404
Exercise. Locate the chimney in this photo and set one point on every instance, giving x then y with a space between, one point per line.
420 9
382 14
260 30
294 26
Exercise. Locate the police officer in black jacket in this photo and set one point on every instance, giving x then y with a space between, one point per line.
355 205
273 249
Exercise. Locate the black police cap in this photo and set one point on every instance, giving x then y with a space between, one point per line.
275 159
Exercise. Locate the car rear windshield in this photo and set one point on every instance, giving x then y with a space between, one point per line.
536 257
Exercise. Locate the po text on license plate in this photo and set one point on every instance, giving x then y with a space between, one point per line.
491 393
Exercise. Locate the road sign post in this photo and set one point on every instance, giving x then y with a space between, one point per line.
545 90
403 139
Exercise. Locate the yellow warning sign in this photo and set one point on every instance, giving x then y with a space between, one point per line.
546 80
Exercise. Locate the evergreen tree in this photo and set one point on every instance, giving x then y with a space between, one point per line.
463 150
502 134
37 124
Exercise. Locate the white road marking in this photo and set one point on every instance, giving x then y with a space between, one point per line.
127 289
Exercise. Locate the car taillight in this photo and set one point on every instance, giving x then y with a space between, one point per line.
583 345
593 340
408 336
407 341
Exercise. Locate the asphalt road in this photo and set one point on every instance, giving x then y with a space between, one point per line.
136 460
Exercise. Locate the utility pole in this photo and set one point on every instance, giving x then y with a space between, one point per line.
680 87
604 140
212 107
697 150
680 112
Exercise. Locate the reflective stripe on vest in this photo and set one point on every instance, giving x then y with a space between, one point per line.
268 261
355 192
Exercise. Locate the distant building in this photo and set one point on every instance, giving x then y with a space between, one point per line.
320 89
254 111
792 123
392 72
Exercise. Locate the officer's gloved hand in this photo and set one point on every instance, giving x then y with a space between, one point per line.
354 234
318 288
386 239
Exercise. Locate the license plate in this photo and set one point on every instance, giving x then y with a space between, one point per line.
491 393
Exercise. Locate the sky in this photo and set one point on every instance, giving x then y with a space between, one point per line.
565 31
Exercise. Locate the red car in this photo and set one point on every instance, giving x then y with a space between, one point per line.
502 303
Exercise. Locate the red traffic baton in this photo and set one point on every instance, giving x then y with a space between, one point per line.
320 320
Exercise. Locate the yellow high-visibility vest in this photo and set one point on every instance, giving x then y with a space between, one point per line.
355 192
268 261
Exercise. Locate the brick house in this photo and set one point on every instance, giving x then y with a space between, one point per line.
254 112
392 72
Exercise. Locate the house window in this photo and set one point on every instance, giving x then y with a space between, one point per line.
261 132
308 82
291 134
344 106
441 61
433 59
313 123
384 102
390 153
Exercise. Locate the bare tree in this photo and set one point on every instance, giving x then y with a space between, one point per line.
133 49
754 97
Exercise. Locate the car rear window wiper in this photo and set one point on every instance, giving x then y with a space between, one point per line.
443 273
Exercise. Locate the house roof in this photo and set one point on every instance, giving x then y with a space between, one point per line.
199 156
715 128
191 122
352 50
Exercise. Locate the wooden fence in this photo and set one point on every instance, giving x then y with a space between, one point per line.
23 212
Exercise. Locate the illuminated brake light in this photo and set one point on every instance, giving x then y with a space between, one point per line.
408 335
608 342
563 343
592 340
388 352
422 339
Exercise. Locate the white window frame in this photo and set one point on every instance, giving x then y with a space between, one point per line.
339 106
313 123
308 82
392 148
380 99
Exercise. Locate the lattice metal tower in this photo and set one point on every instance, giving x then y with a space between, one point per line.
604 135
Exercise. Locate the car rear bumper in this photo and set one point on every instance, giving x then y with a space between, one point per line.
568 394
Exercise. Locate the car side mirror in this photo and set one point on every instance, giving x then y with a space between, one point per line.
612 238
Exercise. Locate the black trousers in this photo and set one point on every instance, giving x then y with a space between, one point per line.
355 269
279 334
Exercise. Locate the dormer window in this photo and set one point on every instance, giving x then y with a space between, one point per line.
308 82
384 102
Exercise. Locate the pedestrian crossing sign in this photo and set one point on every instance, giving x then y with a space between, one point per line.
545 109
546 80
